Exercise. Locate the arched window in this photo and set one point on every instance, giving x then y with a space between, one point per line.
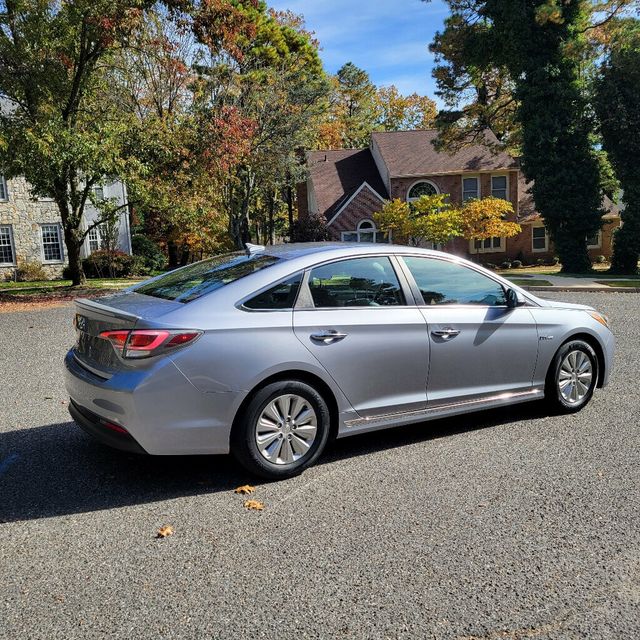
366 231
422 188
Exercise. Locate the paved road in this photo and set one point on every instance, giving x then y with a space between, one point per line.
508 524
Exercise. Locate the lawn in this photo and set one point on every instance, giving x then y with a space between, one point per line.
43 290
530 282
620 283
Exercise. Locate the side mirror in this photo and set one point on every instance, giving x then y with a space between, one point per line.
514 299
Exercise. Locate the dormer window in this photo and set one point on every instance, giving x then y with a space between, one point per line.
422 188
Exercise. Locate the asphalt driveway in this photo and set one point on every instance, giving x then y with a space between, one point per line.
506 524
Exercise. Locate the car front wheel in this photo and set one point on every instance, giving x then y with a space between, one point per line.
572 377
282 431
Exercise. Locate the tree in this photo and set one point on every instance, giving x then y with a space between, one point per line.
60 128
544 46
486 218
395 112
430 219
617 100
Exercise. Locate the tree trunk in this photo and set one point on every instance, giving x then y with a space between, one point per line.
290 208
272 206
73 255
172 250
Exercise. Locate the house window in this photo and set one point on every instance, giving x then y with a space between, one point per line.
489 245
98 193
499 187
7 254
365 232
4 193
422 188
594 241
51 243
94 239
470 189
539 239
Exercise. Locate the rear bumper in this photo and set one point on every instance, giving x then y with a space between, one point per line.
161 410
95 427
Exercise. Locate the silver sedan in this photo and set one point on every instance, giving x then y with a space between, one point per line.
271 352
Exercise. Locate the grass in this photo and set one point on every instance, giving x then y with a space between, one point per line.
93 283
620 283
530 282
43 290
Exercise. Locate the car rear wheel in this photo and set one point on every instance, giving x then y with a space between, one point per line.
572 377
282 431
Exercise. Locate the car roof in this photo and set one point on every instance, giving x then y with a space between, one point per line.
306 249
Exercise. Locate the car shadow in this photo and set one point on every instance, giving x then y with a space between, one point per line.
57 470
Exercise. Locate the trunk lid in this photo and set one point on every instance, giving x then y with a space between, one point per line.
122 311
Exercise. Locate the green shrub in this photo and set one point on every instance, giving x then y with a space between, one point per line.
30 272
601 260
505 265
540 262
554 261
108 264
150 253
489 265
516 264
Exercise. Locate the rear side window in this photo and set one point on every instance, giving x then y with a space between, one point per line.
201 278
442 282
361 282
282 296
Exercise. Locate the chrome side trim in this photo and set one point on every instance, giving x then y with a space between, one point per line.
390 417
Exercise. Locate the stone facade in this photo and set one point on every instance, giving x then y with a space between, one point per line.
24 218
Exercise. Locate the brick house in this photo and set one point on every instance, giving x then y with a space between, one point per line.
347 186
31 230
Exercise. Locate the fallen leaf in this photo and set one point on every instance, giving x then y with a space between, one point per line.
254 505
165 531
245 489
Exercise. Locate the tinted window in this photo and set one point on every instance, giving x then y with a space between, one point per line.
282 296
200 278
361 282
442 282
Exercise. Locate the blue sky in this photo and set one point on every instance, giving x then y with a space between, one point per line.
387 38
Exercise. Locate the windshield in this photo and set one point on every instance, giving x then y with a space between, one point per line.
201 278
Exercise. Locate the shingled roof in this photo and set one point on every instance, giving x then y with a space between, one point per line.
337 174
411 153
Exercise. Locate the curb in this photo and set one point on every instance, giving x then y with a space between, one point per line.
585 289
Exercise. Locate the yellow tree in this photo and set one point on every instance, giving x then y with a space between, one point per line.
430 219
486 218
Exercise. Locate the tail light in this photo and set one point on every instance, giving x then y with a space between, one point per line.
142 343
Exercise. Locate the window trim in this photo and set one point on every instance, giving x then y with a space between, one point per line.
599 243
60 242
473 250
430 182
12 246
546 239
478 182
506 189
358 230
6 190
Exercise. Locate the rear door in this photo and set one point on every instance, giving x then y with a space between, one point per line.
358 325
479 347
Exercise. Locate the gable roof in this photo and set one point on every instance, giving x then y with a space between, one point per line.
338 173
411 153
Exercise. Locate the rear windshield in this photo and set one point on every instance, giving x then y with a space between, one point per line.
201 278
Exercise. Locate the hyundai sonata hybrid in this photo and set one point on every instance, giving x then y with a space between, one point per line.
271 352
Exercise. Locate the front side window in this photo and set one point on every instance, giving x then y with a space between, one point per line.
6 245
442 282
539 239
51 243
201 278
421 189
281 296
470 189
366 231
360 282
499 187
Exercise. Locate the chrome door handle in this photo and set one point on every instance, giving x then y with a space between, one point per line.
445 333
328 336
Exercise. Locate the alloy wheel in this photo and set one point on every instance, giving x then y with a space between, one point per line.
575 377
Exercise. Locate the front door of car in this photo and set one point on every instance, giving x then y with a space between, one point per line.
479 347
357 324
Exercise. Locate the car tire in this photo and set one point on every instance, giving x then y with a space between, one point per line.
572 377
282 431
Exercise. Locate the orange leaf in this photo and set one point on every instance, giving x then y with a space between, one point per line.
253 505
164 532
245 489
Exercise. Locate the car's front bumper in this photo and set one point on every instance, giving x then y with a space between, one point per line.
161 410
